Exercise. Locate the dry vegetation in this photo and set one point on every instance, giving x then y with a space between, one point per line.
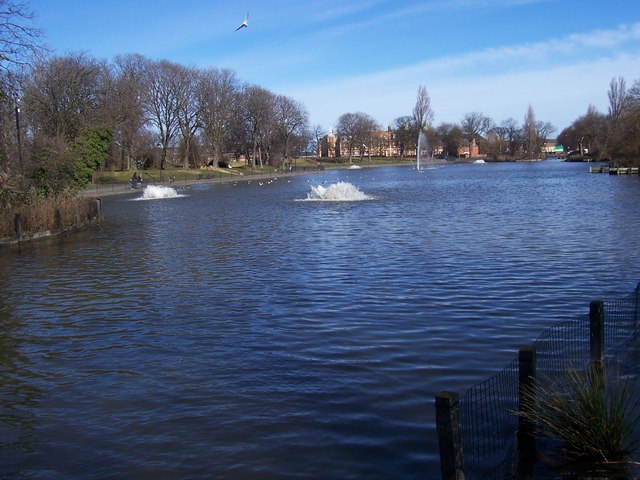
42 216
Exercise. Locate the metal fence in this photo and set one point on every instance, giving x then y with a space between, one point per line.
488 424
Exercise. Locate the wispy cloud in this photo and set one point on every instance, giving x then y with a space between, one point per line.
558 51
561 75
375 13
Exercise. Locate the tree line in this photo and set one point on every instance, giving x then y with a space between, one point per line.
359 132
62 118
135 109
613 136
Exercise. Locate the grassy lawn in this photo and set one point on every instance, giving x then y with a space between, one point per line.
156 175
179 174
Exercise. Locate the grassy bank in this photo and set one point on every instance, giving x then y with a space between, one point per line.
299 165
179 174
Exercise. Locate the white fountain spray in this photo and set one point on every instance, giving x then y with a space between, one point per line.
423 148
152 192
337 192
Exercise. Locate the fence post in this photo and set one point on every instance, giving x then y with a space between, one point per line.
596 322
449 436
526 393
99 207
637 305
58 219
18 225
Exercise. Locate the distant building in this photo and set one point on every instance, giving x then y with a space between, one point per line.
470 151
329 146
382 144
550 147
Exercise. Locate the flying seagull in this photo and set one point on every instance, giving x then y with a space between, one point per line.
244 23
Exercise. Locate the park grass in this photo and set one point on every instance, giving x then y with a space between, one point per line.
149 176
193 174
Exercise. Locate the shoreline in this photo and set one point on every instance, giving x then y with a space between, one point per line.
110 189
104 190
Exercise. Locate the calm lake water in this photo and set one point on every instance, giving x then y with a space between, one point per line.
243 331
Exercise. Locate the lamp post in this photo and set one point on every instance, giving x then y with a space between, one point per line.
17 109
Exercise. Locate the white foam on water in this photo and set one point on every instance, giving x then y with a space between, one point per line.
152 192
337 192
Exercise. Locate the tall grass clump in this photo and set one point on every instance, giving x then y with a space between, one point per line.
593 414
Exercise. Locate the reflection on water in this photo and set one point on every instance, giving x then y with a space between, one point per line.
237 332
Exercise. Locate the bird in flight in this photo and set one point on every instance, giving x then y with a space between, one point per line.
244 23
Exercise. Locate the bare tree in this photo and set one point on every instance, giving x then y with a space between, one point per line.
544 130
19 45
160 102
619 106
348 131
19 38
422 112
405 132
634 94
218 98
185 86
474 125
586 134
356 129
63 94
451 136
367 130
126 103
11 148
258 110
292 118
619 99
512 134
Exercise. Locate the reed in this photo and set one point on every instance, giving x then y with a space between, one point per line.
594 414
40 215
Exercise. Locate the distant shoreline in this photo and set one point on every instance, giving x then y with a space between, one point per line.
110 189
104 190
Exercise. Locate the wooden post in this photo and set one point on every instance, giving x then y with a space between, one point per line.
449 436
526 393
596 321
18 225
637 309
99 207
58 219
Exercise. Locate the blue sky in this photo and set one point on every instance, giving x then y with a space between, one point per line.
496 57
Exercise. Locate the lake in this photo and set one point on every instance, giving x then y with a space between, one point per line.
296 328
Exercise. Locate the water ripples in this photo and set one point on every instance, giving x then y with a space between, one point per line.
237 332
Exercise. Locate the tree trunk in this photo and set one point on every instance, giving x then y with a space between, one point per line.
163 156
253 154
